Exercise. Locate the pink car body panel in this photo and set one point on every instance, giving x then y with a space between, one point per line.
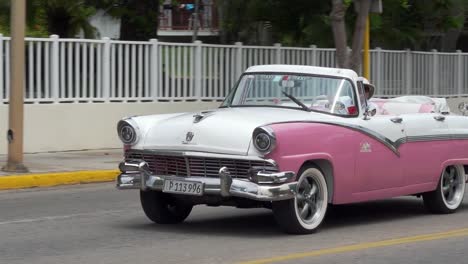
361 173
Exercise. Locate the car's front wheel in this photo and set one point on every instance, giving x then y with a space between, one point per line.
162 208
304 213
450 191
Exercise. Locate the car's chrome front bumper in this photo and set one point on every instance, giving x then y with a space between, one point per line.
268 186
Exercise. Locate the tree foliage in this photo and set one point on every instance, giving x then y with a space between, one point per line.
414 24
65 18
421 24
294 22
139 18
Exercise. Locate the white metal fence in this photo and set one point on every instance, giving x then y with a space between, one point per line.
79 70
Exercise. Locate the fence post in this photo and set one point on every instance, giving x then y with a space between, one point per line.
378 72
154 68
313 59
460 72
106 69
238 59
198 69
2 95
409 68
55 68
435 75
278 53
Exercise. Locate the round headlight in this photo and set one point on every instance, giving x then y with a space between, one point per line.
463 107
127 133
264 139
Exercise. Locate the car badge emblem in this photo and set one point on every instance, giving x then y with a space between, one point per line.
366 147
188 137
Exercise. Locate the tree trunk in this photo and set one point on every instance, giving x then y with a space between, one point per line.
449 40
358 36
196 20
221 5
337 16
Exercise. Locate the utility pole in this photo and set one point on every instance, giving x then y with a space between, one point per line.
16 106
375 7
366 55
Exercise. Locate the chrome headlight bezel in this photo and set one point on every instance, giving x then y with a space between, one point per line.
463 107
266 134
128 131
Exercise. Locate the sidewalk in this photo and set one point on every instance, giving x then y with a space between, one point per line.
57 168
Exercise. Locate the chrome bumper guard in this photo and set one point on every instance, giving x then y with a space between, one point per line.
270 186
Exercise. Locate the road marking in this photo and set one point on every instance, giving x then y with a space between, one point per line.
58 217
362 246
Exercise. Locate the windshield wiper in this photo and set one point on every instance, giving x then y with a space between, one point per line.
294 99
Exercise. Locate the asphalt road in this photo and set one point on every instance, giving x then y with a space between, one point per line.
98 224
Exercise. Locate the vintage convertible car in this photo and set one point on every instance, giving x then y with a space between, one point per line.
294 139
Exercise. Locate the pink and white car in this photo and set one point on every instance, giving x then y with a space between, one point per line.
294 139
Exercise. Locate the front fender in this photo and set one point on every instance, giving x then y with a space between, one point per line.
298 143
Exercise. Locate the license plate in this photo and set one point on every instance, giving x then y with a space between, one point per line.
183 187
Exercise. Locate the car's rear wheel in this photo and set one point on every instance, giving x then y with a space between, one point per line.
304 213
162 208
450 191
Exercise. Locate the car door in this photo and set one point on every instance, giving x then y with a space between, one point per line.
458 127
378 162
426 146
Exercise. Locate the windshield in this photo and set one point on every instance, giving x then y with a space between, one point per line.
303 92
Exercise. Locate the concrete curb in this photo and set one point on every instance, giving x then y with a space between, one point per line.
54 179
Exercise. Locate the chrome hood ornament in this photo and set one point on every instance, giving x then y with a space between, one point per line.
201 115
198 117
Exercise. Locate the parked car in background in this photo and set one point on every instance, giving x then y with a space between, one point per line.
294 139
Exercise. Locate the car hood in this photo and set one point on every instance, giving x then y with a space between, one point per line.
223 130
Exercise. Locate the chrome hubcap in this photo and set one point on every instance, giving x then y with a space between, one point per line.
452 186
309 199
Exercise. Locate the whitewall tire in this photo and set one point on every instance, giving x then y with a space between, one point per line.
450 191
305 213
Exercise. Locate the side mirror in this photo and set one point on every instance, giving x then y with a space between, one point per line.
463 107
370 110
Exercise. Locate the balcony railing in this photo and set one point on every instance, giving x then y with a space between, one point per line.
181 18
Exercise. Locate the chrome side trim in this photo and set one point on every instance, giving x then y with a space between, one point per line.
400 142
459 136
429 138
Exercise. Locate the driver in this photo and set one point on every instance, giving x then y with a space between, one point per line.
369 92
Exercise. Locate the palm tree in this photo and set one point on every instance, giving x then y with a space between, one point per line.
67 17
62 17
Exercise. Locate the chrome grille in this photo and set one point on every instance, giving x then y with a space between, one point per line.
198 166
